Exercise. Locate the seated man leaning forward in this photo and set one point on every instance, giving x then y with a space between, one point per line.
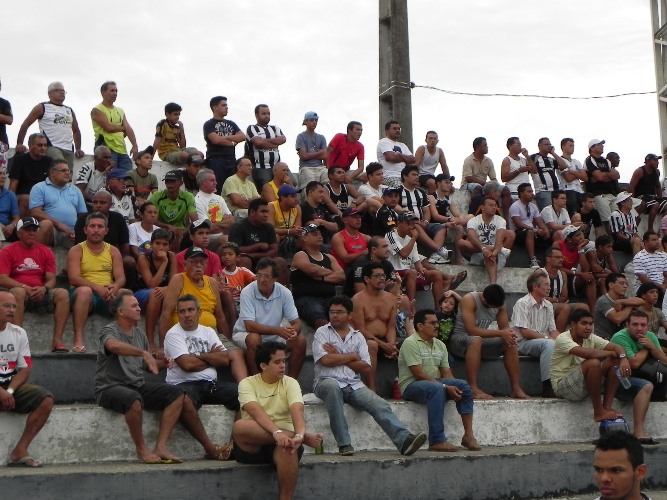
473 340
95 272
264 305
425 377
120 385
341 355
198 353
272 428
16 395
582 365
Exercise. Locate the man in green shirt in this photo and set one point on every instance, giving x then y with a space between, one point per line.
425 377
176 208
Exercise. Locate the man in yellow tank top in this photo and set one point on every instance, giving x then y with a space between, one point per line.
110 126
95 272
207 290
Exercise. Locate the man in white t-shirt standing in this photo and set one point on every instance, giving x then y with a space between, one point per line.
212 206
198 353
573 175
489 243
393 155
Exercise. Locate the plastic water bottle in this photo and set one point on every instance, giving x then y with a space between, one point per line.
625 382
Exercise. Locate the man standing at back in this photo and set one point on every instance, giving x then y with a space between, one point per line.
548 177
262 145
29 169
312 150
221 137
110 126
6 118
602 181
344 148
58 123
393 155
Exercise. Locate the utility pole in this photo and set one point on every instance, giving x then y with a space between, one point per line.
659 36
395 87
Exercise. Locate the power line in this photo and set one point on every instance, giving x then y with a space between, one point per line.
412 85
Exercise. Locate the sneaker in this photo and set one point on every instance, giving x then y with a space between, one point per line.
413 443
446 254
506 252
436 258
346 451
534 263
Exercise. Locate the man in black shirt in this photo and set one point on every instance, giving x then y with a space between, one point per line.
645 185
28 169
386 216
589 215
314 210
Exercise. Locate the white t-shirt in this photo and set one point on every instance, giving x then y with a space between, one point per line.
211 206
391 169
574 185
368 191
548 214
138 234
487 232
178 342
14 352
396 244
91 177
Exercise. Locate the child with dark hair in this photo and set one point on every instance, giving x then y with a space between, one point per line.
449 306
169 140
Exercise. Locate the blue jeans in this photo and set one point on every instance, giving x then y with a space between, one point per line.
434 396
122 160
543 199
362 399
539 348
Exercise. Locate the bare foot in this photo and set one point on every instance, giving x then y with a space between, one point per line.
312 440
167 455
519 394
480 394
148 456
606 414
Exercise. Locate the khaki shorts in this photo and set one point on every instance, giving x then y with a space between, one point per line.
573 386
227 344
45 306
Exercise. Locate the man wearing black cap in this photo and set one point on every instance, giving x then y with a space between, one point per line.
193 165
141 182
28 270
176 208
645 185
92 176
122 200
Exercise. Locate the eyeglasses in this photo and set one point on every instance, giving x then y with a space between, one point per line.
335 312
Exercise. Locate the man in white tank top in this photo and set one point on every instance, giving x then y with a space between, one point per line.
515 169
427 158
58 123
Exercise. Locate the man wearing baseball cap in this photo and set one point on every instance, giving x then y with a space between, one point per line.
122 200
602 180
623 225
176 208
645 185
312 150
193 164
34 285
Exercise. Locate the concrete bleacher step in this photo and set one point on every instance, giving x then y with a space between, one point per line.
516 472
88 433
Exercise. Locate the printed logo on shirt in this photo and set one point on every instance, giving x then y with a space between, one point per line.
28 265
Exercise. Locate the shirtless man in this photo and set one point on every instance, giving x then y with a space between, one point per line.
374 315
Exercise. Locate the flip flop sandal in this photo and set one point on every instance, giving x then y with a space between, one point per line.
26 461
60 348
80 349
460 278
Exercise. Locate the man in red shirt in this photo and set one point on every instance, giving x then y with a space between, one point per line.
344 148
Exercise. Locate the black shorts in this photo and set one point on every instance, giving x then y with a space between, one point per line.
153 396
622 246
212 393
540 241
28 397
312 309
263 456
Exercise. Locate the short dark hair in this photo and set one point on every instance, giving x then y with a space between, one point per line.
477 141
333 168
637 313
407 169
96 215
216 100
494 295
106 84
578 314
388 125
352 124
231 245
56 162
268 262
613 278
162 233
522 187
256 203
312 186
549 251
373 167
644 288
541 140
342 300
266 350
621 440
431 132
171 107
565 140
648 234
143 207
511 141
374 242
420 316
587 196
238 162
260 106
118 300
603 240
556 193
367 270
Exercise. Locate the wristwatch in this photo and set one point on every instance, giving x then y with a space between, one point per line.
10 390
622 356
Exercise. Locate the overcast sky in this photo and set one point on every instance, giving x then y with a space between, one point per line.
298 55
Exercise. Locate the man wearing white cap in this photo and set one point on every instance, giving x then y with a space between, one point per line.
602 180
312 150
645 185
623 225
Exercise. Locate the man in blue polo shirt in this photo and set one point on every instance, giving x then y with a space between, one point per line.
56 203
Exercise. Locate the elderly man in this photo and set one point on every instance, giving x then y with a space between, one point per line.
28 271
110 126
58 123
238 189
176 208
533 321
95 272
281 176
264 306
29 169
120 384
16 395
56 203
92 176
341 355
197 354
212 206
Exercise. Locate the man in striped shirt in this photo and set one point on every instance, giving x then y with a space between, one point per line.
651 265
533 321
262 145
623 225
